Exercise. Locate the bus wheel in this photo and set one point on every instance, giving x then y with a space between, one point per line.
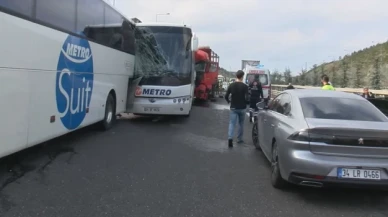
110 113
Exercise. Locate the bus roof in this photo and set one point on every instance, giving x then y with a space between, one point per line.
163 24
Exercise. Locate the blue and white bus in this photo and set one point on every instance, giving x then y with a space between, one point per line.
58 72
164 68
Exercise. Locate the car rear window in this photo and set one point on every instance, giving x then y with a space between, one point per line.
340 109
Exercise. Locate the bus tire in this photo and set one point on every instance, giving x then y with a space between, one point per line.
110 113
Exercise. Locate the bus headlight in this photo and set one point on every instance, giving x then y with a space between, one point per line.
183 99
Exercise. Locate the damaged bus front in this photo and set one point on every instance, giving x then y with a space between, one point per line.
164 70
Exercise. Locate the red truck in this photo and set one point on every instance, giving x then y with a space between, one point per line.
207 67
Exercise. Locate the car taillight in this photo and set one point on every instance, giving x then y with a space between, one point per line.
306 136
302 135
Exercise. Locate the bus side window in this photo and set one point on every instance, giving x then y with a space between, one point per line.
128 43
89 14
58 13
23 7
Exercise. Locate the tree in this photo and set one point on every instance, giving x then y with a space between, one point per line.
302 77
376 75
276 77
333 76
287 76
315 75
322 70
357 75
344 78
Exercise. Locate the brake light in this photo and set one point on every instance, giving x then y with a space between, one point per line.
306 136
302 135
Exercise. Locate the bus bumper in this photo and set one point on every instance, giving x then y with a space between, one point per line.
161 106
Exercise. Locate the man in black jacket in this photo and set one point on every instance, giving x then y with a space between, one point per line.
238 107
256 96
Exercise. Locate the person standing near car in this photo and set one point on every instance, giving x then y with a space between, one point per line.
238 106
367 94
256 96
326 83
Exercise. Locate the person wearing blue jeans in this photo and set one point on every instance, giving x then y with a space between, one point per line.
238 106
236 116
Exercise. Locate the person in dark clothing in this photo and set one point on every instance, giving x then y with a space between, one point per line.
238 106
256 96
367 94
289 87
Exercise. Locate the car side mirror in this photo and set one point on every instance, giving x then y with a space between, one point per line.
262 106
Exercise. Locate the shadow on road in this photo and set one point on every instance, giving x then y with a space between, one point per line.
39 157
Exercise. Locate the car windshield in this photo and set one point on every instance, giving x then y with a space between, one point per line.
340 109
262 78
163 55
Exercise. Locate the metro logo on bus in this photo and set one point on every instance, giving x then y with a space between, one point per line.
152 92
74 81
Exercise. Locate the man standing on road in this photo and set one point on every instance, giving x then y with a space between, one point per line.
326 83
256 96
238 107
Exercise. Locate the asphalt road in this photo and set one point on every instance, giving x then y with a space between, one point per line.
171 167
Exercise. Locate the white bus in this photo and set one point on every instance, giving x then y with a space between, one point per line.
56 73
165 69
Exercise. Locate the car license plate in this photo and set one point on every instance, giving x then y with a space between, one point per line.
348 173
151 109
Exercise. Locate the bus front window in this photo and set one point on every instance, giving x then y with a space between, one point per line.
164 55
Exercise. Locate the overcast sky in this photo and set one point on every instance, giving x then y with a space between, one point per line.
279 33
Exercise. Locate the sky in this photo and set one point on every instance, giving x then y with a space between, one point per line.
279 33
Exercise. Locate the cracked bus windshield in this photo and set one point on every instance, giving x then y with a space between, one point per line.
164 55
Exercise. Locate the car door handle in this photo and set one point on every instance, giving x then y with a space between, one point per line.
265 120
272 125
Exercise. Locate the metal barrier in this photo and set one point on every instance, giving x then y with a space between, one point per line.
276 89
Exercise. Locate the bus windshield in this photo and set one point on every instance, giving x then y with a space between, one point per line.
163 55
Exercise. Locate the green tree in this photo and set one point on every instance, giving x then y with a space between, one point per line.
315 81
287 76
333 76
322 69
276 77
357 75
302 77
344 78
376 75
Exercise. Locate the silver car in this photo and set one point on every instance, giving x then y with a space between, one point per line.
318 138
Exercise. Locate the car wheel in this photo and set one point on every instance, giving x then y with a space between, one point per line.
276 178
255 136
